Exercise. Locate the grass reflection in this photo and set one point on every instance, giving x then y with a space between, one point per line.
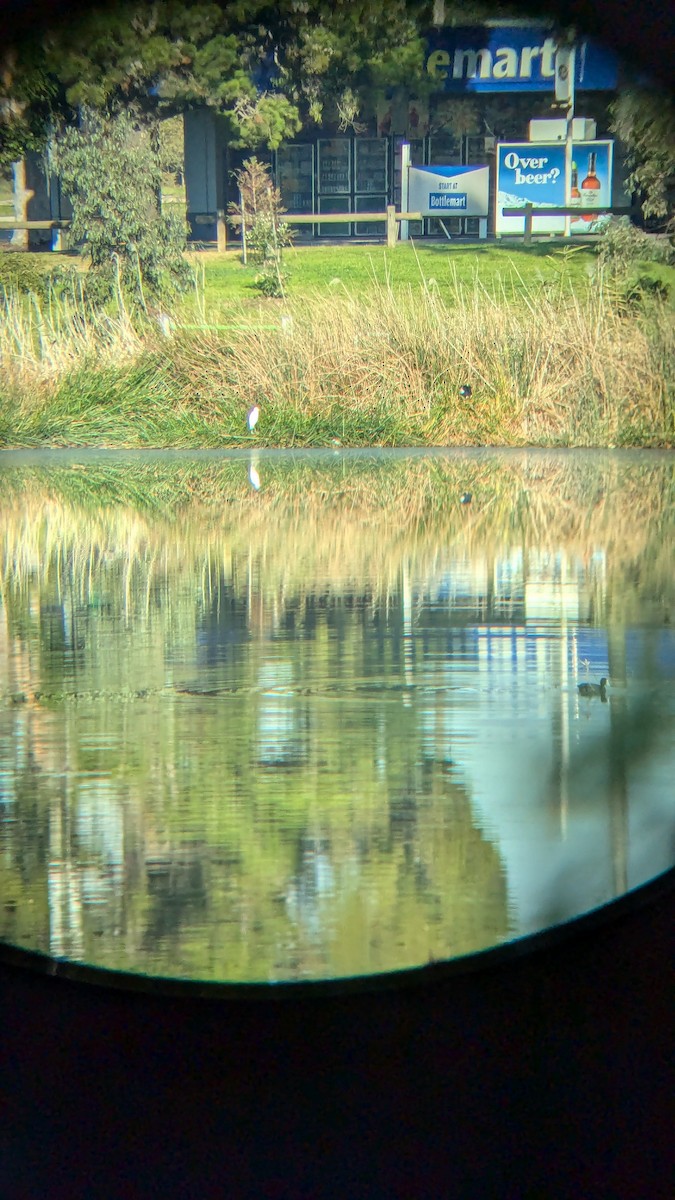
240 731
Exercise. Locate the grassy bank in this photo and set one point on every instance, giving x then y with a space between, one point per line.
556 353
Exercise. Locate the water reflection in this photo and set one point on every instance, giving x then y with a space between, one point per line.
331 724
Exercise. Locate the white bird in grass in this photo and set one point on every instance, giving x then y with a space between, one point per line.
254 478
253 414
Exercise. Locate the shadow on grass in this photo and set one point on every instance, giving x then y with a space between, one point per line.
536 250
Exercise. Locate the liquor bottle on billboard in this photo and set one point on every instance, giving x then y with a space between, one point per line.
575 194
590 186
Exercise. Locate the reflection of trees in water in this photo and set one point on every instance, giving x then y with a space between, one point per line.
178 897
256 806
176 837
440 887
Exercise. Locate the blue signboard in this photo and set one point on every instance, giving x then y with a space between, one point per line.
591 183
511 59
530 172
451 203
534 173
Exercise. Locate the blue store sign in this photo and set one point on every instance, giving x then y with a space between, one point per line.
511 59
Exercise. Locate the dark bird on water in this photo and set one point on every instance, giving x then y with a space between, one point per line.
465 498
594 689
465 391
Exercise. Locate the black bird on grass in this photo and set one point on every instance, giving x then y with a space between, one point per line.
465 498
594 689
465 391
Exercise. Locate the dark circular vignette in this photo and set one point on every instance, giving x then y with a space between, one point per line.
644 36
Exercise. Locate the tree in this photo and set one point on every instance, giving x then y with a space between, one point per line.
111 175
171 146
155 59
645 122
265 67
344 53
27 98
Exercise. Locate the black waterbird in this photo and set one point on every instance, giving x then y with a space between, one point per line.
465 391
594 689
465 498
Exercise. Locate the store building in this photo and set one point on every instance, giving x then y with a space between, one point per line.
483 85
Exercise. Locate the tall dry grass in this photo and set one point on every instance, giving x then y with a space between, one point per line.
556 365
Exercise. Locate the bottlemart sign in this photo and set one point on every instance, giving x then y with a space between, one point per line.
449 191
535 173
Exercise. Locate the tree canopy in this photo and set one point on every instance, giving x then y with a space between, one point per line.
267 68
644 120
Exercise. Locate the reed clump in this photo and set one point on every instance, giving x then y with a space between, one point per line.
549 364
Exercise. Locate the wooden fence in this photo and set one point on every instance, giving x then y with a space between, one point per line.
390 216
58 228
529 211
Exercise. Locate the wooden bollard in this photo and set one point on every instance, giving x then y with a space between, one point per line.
392 226
221 229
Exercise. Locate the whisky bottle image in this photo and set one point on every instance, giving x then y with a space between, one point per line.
590 186
575 194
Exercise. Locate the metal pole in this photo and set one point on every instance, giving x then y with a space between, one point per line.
243 226
569 142
405 187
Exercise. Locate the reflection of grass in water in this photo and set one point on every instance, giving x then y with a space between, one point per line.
341 521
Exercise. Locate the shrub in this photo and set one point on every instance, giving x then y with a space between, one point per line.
267 235
621 244
645 288
20 275
112 176
271 281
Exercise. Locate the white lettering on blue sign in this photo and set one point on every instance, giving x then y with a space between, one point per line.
520 163
485 59
445 201
505 63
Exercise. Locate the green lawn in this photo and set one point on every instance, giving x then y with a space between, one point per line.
505 269
358 267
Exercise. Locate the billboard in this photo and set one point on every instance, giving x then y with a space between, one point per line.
449 191
591 183
535 173
512 59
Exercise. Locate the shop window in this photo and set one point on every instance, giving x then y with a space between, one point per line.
370 204
334 204
335 166
295 179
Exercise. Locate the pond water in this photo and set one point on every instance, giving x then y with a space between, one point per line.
297 716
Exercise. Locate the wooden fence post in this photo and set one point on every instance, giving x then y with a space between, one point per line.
22 194
392 226
221 229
